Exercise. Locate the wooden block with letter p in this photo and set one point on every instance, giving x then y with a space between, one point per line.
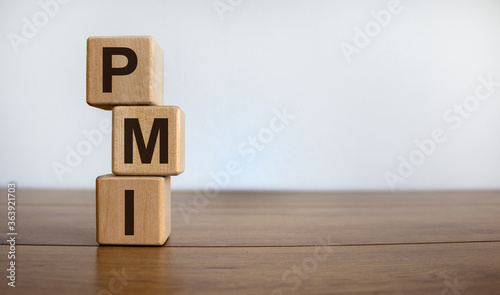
132 210
148 140
124 71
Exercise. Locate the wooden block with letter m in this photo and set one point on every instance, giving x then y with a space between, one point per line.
148 140
133 210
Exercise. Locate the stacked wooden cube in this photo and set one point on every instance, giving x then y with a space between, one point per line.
125 75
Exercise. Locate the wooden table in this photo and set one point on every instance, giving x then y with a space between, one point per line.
266 243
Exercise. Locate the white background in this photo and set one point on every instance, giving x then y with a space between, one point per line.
229 70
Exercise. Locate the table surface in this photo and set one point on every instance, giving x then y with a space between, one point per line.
266 243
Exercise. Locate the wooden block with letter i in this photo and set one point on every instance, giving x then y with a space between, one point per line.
148 140
124 71
132 210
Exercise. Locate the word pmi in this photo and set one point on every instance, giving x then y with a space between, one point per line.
428 146
372 29
30 28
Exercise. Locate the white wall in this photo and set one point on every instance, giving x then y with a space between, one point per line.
229 70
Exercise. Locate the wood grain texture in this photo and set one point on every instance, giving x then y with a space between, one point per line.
278 198
143 86
268 243
279 219
150 217
470 268
174 143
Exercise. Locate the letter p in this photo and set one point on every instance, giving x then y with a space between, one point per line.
107 65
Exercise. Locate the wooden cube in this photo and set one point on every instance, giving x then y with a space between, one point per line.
132 210
124 71
148 140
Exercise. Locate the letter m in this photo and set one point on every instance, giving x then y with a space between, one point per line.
159 128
